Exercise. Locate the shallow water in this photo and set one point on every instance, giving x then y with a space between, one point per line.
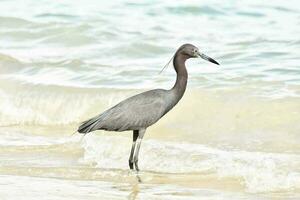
234 135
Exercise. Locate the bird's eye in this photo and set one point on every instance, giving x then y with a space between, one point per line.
196 50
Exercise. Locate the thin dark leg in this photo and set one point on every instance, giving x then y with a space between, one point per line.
134 137
136 152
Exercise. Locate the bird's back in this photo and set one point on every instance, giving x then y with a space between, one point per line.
134 113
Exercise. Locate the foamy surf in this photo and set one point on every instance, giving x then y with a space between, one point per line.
256 171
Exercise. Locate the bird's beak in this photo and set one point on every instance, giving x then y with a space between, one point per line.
205 57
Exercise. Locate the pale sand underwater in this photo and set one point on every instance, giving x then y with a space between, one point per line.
234 135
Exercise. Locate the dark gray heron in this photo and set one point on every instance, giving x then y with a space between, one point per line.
139 112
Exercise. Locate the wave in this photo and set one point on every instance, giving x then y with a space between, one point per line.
49 105
256 171
201 112
12 22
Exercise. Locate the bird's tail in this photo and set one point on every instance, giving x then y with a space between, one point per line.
89 125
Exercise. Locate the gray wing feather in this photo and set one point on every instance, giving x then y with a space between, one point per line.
136 112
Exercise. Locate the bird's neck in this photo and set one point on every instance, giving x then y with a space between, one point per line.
182 76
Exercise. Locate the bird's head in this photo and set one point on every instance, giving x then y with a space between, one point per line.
190 51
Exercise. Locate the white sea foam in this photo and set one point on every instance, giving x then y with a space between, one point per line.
256 171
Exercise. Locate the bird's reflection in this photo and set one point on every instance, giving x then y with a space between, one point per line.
135 189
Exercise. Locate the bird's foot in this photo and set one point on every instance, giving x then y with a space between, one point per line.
136 165
131 164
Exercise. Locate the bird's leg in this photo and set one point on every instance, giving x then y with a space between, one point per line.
136 152
134 137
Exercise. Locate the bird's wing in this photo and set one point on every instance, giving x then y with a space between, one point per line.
136 112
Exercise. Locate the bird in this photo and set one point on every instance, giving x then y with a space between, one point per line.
138 112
